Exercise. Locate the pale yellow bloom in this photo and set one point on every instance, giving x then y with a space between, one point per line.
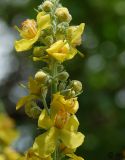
74 157
74 34
70 105
11 154
7 129
62 127
31 31
2 157
30 155
61 51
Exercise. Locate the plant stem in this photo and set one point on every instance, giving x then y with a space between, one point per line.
53 65
53 74
45 104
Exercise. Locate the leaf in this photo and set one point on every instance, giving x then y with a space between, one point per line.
80 53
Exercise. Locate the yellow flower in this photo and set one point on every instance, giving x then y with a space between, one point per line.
74 157
74 34
2 157
61 127
31 30
70 105
7 129
61 51
30 155
11 154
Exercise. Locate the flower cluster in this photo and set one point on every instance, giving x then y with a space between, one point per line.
53 41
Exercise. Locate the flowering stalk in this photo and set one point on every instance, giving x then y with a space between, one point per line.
52 41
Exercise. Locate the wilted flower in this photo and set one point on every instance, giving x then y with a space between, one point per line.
8 133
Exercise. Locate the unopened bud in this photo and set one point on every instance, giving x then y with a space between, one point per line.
60 68
32 110
41 76
69 93
63 76
72 94
77 86
62 27
38 51
63 14
48 40
47 6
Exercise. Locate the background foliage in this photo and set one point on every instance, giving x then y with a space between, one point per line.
102 105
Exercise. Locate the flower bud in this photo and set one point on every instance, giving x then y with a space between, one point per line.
60 68
32 110
47 6
63 76
63 14
38 51
72 94
77 86
48 40
41 76
62 27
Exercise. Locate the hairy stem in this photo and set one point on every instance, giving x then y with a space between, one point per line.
53 74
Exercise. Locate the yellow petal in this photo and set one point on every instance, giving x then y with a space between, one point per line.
45 144
22 158
57 104
2 157
72 124
71 139
43 20
76 33
59 56
74 157
61 51
30 155
71 105
11 154
26 44
44 120
71 53
6 122
55 47
25 100
34 86
8 135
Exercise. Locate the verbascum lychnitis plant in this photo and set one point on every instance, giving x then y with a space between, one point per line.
8 134
52 41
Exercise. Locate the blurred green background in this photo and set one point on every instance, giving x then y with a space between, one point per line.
102 71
